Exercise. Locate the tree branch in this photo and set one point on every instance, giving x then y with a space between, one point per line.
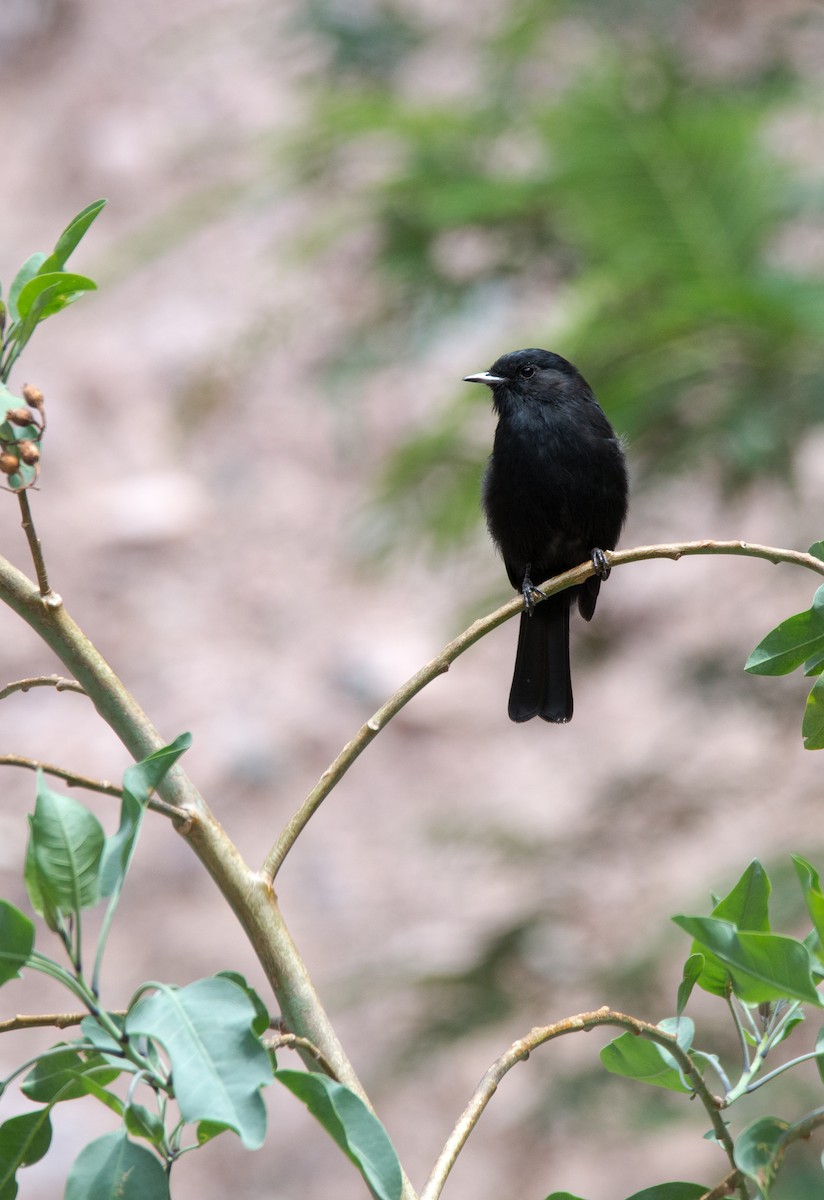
520 1050
250 897
70 777
56 681
52 1020
478 629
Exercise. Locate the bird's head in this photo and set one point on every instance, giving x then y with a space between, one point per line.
526 375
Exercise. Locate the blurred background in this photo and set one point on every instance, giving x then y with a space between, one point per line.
260 498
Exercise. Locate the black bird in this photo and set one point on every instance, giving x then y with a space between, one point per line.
554 494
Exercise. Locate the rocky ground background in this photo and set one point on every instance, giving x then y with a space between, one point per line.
201 509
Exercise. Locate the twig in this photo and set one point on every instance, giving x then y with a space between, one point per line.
442 662
34 544
52 1020
70 777
56 681
91 785
291 1041
521 1049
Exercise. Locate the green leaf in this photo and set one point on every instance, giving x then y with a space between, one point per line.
813 895
61 1076
812 726
71 236
16 941
746 905
356 1130
761 966
65 284
817 550
218 1065
563 1196
143 1123
28 271
791 643
145 777
208 1130
814 666
63 858
139 781
671 1191
759 1149
638 1058
23 1141
262 1019
112 1166
693 969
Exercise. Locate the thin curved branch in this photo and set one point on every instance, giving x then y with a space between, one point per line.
478 629
56 681
291 1041
520 1050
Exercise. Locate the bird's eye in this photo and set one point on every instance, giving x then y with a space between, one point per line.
527 372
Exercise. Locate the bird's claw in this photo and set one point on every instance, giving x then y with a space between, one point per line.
599 563
529 591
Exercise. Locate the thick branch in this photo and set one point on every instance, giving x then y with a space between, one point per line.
520 1050
442 662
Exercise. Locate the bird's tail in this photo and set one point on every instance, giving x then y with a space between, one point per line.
541 685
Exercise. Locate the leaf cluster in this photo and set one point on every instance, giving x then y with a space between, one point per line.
767 980
193 1058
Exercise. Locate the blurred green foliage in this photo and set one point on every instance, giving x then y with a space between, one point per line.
637 205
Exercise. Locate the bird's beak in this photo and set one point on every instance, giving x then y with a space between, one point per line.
484 377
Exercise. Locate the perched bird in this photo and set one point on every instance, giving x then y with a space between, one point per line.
555 494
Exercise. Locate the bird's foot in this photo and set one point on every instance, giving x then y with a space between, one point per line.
529 591
600 565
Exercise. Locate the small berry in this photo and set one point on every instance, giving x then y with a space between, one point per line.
32 395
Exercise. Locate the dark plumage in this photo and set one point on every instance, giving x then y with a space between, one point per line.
554 494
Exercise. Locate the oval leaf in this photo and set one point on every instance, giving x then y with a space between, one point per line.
356 1130
635 1057
761 966
63 858
759 1149
218 1065
112 1166
23 1141
791 643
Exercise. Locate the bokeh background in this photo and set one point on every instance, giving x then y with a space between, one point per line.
259 497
